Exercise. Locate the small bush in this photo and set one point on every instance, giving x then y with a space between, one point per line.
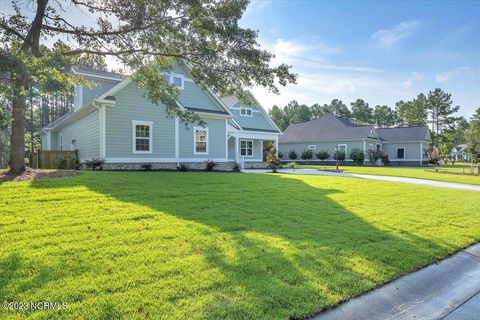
292 155
182 167
236 167
291 165
374 156
95 164
280 154
339 155
60 163
210 165
357 156
322 155
273 161
306 154
147 167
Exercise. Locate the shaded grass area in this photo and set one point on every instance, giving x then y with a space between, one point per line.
138 245
420 172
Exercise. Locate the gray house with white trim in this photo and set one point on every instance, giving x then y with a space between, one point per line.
114 120
404 145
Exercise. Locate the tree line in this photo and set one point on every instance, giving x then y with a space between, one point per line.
434 109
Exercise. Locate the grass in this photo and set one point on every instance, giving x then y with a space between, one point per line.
420 172
138 245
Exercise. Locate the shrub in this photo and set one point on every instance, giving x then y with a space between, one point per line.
210 165
280 154
147 167
60 163
292 155
182 167
339 155
95 164
322 155
236 167
291 165
357 156
306 154
378 155
75 161
272 160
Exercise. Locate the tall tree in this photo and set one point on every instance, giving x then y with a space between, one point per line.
279 117
296 112
336 107
362 113
412 113
148 36
441 111
472 139
384 116
475 119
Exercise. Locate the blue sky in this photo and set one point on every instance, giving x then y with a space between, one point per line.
379 51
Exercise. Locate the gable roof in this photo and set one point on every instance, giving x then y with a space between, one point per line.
326 127
95 73
404 134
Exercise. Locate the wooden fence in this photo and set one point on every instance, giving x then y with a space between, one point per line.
55 159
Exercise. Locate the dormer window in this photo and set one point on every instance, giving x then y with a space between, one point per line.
174 79
246 112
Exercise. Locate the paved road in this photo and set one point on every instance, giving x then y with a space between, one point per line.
431 183
448 290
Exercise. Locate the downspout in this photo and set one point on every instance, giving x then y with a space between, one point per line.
421 153
364 151
101 119
177 144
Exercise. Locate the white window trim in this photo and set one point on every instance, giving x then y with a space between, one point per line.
195 140
170 79
150 136
240 147
404 153
370 147
312 147
246 109
346 150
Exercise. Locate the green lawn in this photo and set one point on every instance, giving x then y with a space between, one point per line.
217 245
420 172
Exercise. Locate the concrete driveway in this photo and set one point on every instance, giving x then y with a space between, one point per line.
431 183
449 290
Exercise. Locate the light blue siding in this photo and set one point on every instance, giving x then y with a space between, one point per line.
216 140
256 121
257 149
412 150
285 148
86 133
131 105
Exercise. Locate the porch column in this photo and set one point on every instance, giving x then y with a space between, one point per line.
276 146
364 152
236 149
421 154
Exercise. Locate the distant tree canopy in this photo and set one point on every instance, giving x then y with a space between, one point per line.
434 109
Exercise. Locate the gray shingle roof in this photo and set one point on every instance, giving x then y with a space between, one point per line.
229 100
403 133
99 73
327 127
55 123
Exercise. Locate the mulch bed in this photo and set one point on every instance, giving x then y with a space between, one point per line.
36 174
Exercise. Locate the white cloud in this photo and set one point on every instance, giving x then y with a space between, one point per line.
388 38
411 79
446 76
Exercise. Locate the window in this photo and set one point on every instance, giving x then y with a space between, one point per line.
312 147
174 79
342 147
200 136
401 153
61 142
246 148
246 112
370 146
379 147
142 136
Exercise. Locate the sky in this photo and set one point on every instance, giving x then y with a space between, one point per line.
380 51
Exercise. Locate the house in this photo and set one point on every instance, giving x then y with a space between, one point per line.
114 121
460 153
404 145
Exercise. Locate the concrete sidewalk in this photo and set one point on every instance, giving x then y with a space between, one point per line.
449 290
431 183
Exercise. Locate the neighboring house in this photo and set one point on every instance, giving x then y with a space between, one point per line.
404 145
460 153
113 120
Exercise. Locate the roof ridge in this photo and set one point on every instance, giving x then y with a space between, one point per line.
425 126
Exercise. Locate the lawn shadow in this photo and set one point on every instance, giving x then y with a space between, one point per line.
296 251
